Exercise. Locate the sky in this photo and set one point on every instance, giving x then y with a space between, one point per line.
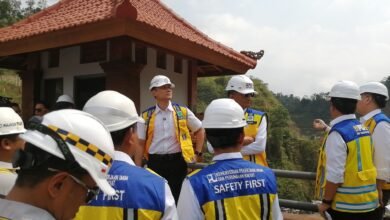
309 44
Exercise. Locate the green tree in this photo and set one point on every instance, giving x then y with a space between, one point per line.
10 12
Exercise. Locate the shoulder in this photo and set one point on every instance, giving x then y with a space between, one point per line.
150 109
255 111
381 118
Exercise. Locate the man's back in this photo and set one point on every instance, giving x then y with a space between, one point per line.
234 188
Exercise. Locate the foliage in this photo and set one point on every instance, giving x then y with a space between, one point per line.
11 11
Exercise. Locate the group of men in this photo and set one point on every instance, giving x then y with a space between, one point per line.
353 171
70 153
62 161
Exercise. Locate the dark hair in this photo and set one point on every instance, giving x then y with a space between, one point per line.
380 100
15 104
5 101
34 163
223 137
63 105
343 105
43 103
118 136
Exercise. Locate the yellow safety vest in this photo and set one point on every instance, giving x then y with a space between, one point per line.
358 193
371 125
254 119
182 131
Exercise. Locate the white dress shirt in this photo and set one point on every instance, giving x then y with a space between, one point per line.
381 141
16 210
336 152
164 137
7 179
256 147
170 211
188 206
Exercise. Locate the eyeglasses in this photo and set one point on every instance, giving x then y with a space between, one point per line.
91 192
249 95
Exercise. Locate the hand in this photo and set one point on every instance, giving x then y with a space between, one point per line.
248 140
319 125
322 207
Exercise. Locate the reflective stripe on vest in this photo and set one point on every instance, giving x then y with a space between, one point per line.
140 194
371 125
182 131
253 119
358 192
225 185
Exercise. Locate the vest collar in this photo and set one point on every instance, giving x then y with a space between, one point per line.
342 118
369 115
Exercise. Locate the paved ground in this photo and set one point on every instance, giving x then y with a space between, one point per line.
288 216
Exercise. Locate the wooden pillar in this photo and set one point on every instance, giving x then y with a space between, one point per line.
192 84
31 84
122 74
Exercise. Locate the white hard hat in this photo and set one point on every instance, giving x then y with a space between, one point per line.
65 98
241 84
10 122
376 88
160 80
87 138
224 113
115 110
345 89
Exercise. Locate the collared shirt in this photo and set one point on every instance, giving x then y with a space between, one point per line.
336 152
381 141
188 205
256 147
170 211
164 138
7 178
21 211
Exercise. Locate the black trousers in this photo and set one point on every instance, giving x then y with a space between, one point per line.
386 196
336 215
172 167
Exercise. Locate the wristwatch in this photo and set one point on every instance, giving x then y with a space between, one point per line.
199 154
328 202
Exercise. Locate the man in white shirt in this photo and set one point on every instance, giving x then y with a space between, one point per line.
11 125
141 193
241 89
166 137
374 96
346 175
229 188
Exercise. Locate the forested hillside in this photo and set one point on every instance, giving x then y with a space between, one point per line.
304 110
286 148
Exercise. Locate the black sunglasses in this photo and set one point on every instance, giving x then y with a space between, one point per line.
249 95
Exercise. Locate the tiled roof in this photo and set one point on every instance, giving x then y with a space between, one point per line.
68 14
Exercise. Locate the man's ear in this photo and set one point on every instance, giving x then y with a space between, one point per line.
56 184
5 143
241 138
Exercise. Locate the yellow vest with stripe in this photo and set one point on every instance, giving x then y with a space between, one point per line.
182 131
371 125
235 189
358 193
253 119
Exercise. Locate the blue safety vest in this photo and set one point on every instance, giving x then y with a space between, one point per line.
140 194
235 189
